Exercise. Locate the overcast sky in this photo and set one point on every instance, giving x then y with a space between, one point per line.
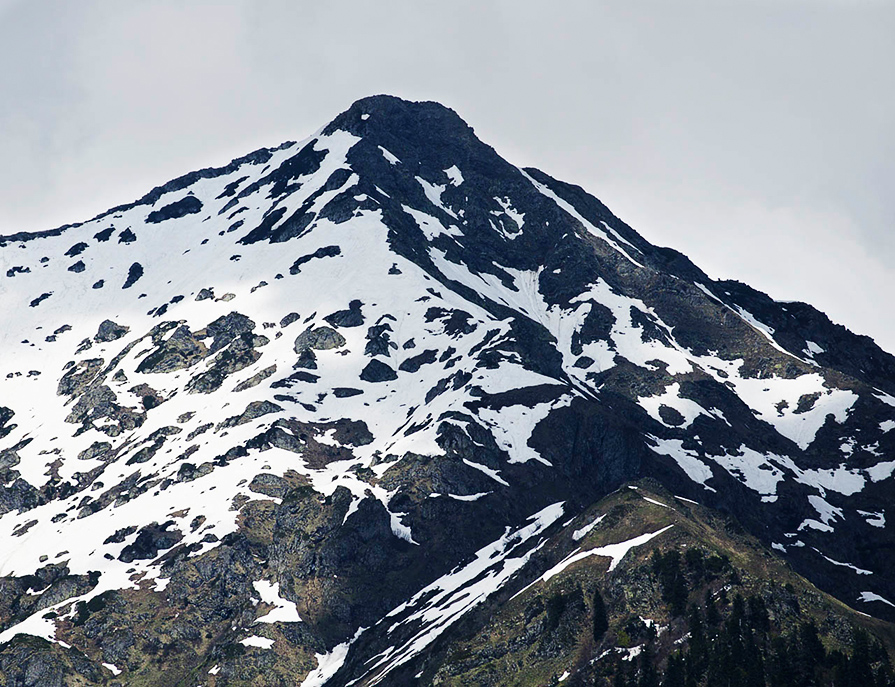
757 137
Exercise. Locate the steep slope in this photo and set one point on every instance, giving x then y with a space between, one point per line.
267 405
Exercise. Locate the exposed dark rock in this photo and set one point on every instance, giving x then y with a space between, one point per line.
227 328
230 189
149 397
127 236
119 536
378 340
352 317
325 252
289 319
253 410
145 454
40 299
378 371
98 449
237 354
299 376
150 540
671 416
76 249
134 272
79 377
416 362
99 402
344 557
6 414
189 205
181 350
320 339
110 331
201 429
346 392
256 379
456 322
306 359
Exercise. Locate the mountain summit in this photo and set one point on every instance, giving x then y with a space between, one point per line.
311 417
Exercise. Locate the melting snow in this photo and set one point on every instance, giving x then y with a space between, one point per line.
512 427
35 625
687 460
435 608
285 611
260 642
881 471
493 474
328 664
433 193
388 156
671 397
874 519
453 173
578 535
858 570
469 497
867 597
614 551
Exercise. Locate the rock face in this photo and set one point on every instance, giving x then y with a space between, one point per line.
109 331
426 372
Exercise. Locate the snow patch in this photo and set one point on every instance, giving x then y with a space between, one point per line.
671 397
453 173
616 552
874 519
859 571
578 535
512 427
285 611
439 605
328 664
260 642
687 459
388 156
867 597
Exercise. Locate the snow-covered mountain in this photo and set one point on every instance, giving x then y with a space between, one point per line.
338 393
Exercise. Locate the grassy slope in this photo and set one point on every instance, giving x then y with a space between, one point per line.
547 631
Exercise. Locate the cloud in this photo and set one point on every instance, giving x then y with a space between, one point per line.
710 116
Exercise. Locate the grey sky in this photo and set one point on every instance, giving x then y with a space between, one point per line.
755 136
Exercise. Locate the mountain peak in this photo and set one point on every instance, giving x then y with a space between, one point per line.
343 385
378 113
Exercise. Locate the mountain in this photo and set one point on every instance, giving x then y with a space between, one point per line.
328 414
